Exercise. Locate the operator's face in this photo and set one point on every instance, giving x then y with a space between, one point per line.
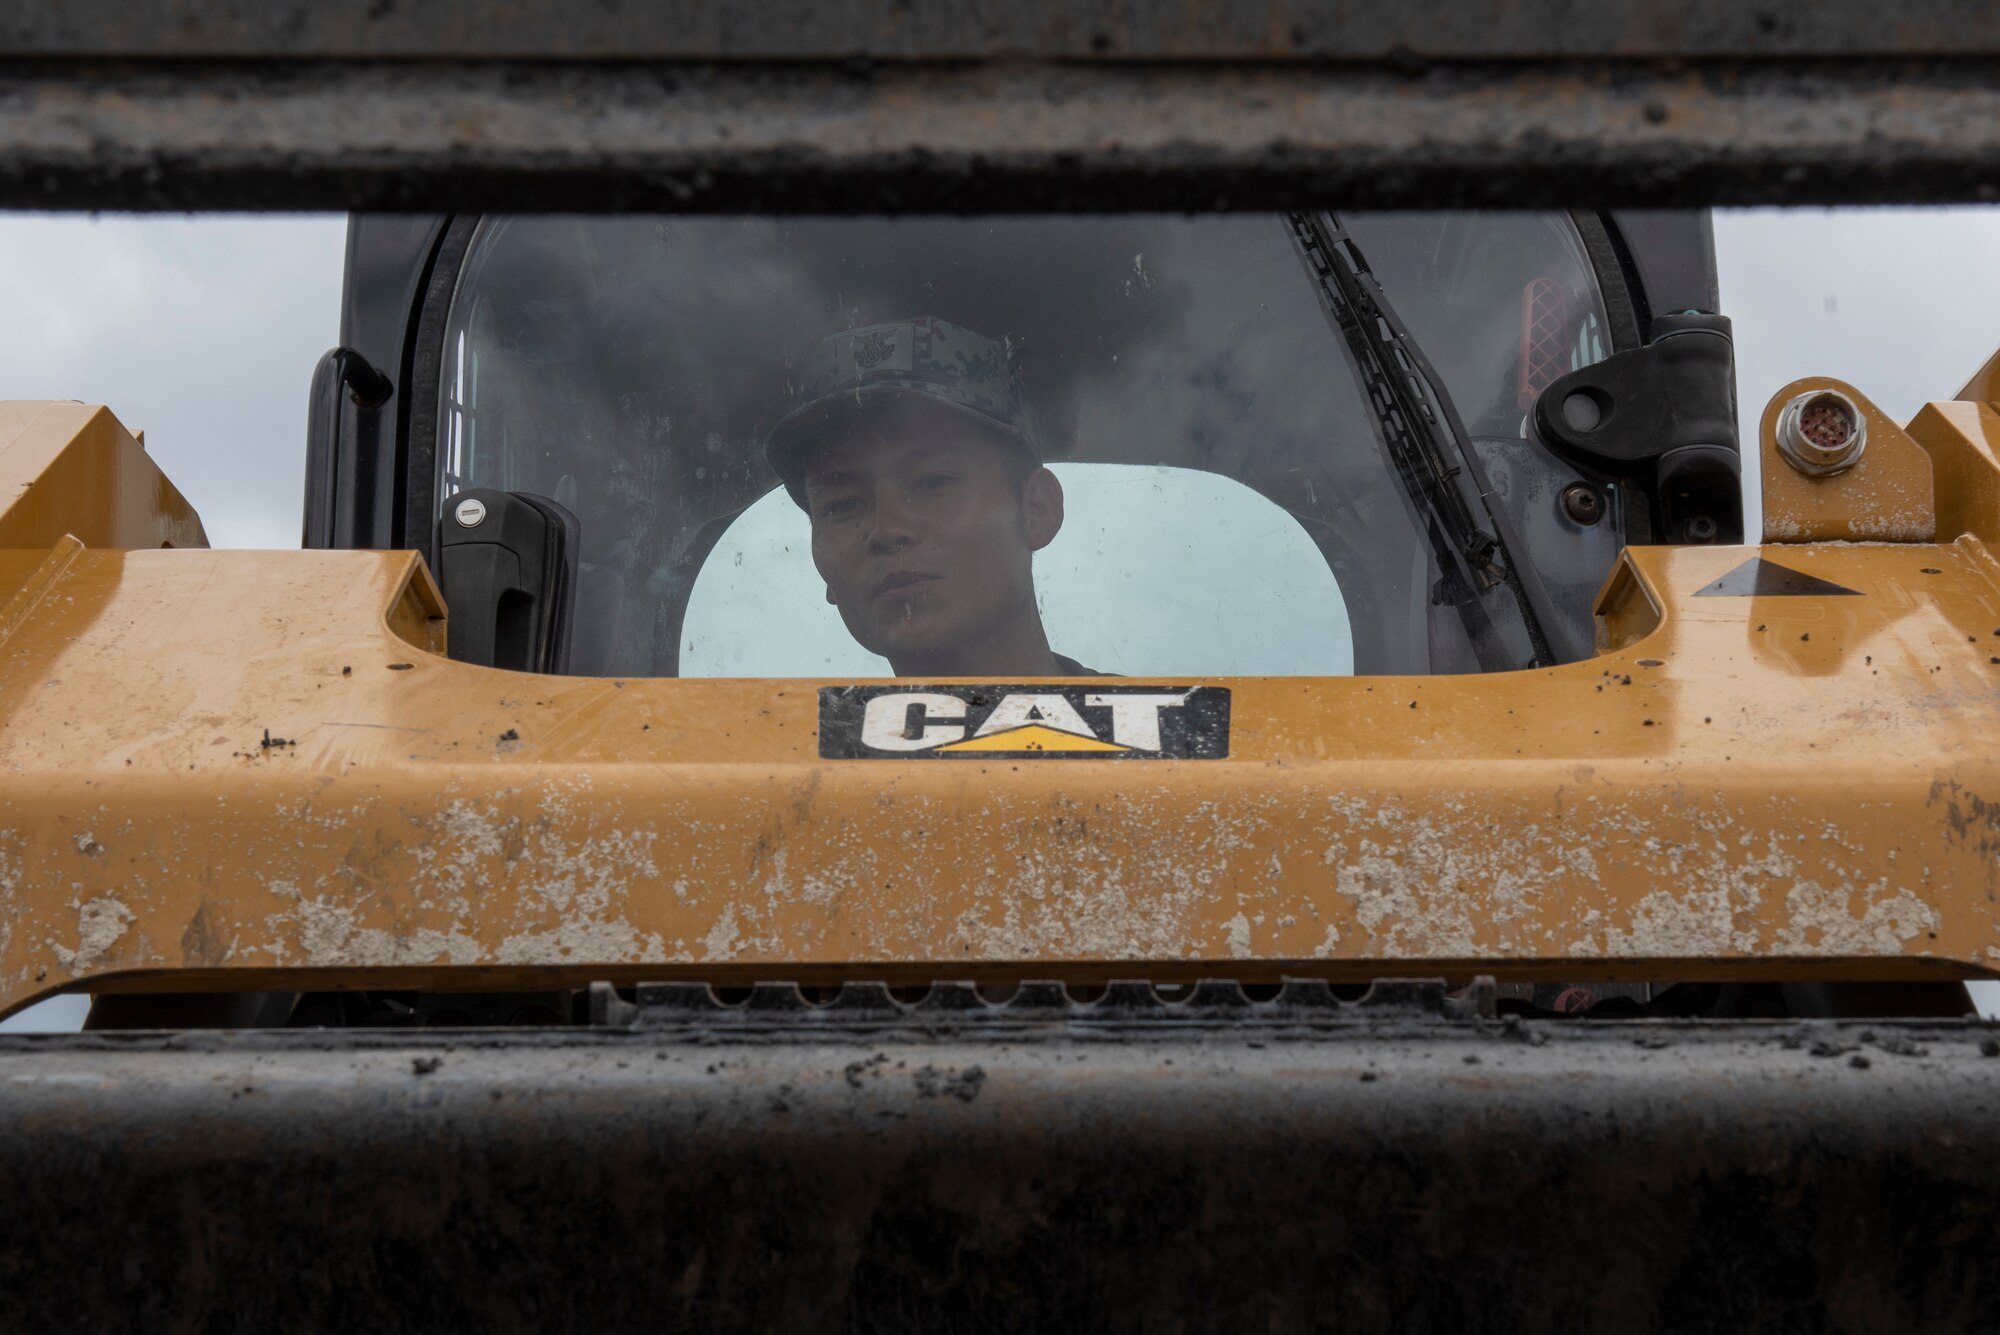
922 529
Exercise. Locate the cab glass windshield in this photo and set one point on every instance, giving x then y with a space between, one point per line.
1013 447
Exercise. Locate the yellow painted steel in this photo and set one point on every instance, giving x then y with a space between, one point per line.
1889 494
1963 440
70 468
1984 386
1737 787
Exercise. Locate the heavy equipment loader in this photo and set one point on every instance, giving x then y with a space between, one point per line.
1456 877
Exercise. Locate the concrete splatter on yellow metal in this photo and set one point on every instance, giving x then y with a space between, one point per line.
1735 787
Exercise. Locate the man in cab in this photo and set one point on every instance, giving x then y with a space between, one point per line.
918 459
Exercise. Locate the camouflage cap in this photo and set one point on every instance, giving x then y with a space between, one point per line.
929 358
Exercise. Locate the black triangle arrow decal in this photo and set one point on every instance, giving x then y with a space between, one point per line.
1758 578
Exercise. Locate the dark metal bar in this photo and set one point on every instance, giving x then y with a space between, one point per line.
993 137
1226 30
1388 1173
978 105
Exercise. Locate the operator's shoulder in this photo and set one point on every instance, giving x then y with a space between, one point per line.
1071 668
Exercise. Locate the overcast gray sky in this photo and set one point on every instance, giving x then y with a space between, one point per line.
203 332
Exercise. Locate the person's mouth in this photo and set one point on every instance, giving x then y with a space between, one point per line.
901 582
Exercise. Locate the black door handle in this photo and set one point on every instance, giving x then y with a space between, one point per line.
507 566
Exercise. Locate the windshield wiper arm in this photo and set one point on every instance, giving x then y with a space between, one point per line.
1424 438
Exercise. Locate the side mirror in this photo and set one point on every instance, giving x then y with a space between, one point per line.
507 566
344 427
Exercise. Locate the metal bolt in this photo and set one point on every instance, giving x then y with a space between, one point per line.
1701 529
470 512
1582 503
1821 432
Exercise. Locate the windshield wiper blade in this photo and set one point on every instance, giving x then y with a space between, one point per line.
1426 442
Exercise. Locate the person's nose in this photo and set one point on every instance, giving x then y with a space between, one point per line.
892 523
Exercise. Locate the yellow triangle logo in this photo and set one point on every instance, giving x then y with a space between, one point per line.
1033 737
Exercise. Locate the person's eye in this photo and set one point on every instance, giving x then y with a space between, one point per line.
930 484
839 507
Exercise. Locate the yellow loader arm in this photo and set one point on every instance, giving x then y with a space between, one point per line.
242 770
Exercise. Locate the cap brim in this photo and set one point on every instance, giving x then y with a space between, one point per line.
790 444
